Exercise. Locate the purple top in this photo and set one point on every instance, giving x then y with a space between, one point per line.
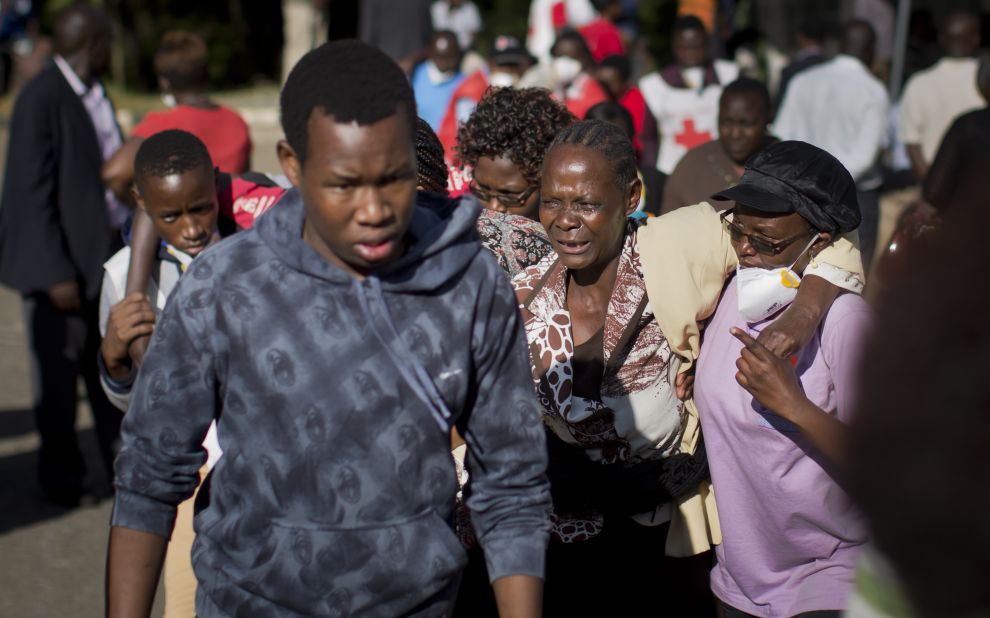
791 536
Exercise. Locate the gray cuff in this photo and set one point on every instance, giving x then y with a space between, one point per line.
138 512
516 554
121 387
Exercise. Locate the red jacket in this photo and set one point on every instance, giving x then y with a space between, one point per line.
634 102
471 89
584 94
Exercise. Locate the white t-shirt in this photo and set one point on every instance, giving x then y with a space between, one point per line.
933 98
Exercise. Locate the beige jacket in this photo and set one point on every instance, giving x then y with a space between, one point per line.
686 257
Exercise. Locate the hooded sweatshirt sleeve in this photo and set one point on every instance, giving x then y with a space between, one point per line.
508 494
171 409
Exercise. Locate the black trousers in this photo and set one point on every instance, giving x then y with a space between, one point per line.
624 570
727 611
618 573
63 347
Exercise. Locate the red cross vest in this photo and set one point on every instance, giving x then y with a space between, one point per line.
686 117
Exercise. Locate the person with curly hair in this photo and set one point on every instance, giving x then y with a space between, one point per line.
515 241
504 141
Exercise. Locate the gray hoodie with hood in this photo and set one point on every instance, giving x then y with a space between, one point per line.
333 400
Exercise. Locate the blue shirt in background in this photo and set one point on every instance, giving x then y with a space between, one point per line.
433 95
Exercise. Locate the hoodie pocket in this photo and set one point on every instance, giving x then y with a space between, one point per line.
385 569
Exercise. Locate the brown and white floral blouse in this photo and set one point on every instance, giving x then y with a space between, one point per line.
638 417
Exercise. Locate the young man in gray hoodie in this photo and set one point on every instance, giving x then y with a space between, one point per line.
335 345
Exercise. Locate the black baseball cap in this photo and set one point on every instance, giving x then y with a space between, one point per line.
508 50
794 176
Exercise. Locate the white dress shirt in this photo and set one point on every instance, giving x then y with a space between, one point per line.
840 107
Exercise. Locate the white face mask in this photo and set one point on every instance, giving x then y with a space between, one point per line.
694 77
503 80
566 69
436 75
168 99
763 292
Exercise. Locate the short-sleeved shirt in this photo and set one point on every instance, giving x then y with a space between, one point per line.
223 131
934 98
791 536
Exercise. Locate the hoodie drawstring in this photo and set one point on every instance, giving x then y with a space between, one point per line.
409 366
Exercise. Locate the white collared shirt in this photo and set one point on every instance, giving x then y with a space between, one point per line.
100 111
840 107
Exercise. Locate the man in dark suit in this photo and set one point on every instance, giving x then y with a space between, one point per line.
57 227
811 52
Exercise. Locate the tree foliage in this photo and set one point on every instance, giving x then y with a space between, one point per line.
244 38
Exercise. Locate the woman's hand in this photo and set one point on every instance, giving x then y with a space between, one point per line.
684 385
769 379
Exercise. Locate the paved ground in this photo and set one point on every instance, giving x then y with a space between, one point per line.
52 559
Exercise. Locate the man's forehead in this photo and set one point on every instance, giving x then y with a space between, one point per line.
193 180
349 145
321 119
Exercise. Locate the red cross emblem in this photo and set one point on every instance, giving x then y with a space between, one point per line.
689 138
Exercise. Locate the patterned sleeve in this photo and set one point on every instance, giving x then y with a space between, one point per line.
508 492
171 409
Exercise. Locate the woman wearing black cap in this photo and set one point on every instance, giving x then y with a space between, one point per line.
627 469
775 430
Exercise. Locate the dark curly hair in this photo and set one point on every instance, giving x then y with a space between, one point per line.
518 124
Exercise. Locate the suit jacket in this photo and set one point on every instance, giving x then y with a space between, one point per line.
54 224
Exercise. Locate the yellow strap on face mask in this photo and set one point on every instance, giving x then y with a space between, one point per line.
788 280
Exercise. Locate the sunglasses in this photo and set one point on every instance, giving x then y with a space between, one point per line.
761 245
507 200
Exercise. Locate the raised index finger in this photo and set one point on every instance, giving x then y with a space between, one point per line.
751 344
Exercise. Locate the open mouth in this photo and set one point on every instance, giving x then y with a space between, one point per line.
573 247
196 249
375 250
